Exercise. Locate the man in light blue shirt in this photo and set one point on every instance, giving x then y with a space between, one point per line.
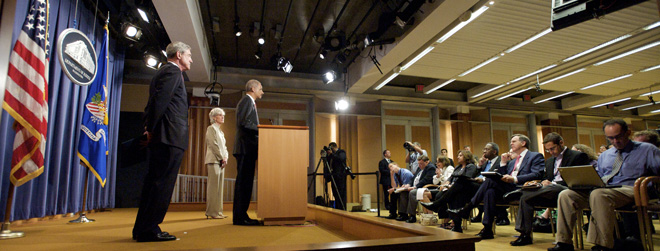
618 166
399 177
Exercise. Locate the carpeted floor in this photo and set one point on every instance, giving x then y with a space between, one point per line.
112 231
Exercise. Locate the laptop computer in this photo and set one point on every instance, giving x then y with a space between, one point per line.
582 177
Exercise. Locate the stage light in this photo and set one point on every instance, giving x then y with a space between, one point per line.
132 32
341 104
258 54
151 61
261 39
237 30
284 65
329 77
143 15
341 58
164 53
323 54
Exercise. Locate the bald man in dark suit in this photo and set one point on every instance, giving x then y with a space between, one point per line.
166 127
246 146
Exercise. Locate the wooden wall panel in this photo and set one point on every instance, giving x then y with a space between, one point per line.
395 135
480 136
422 134
370 153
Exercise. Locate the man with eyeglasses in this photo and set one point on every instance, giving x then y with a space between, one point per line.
553 184
619 166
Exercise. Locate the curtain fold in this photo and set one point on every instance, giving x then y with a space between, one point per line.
59 189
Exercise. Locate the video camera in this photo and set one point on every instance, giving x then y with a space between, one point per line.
324 152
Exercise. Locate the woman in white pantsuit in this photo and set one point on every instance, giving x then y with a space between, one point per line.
216 160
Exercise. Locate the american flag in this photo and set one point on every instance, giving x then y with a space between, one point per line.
26 94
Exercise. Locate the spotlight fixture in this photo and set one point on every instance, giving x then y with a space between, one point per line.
261 39
323 54
258 54
151 61
329 76
341 58
319 36
143 15
237 30
132 32
341 104
284 65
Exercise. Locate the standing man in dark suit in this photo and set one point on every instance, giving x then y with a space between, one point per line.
525 167
246 145
383 168
166 128
552 183
337 159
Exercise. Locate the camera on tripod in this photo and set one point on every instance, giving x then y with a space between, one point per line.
324 152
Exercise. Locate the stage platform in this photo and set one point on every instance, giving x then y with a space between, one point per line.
325 229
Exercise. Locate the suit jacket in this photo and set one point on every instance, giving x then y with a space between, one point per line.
426 176
531 167
216 149
247 133
383 168
494 165
166 113
571 158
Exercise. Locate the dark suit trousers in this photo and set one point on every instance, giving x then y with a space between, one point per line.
386 195
339 190
164 163
490 192
394 199
245 165
545 197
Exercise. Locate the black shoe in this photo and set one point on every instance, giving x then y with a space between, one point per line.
162 236
600 248
391 217
522 240
426 204
486 233
476 219
461 212
163 233
412 219
457 229
402 218
561 247
247 222
503 222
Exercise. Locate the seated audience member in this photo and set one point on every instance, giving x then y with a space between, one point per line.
444 152
602 149
490 162
408 197
552 183
443 171
399 177
620 166
457 188
648 136
383 168
526 166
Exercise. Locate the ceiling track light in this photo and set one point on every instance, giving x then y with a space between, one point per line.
323 54
531 39
553 97
440 86
387 80
563 76
611 102
237 30
645 47
341 104
606 81
151 61
258 54
284 65
261 40
514 93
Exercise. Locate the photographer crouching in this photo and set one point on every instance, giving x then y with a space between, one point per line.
337 175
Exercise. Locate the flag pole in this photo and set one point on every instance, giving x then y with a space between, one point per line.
83 215
6 233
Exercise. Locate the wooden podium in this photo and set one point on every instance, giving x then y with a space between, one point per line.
282 174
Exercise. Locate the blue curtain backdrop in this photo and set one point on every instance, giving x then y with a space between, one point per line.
59 189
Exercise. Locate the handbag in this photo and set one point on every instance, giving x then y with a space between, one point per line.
428 220
532 185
